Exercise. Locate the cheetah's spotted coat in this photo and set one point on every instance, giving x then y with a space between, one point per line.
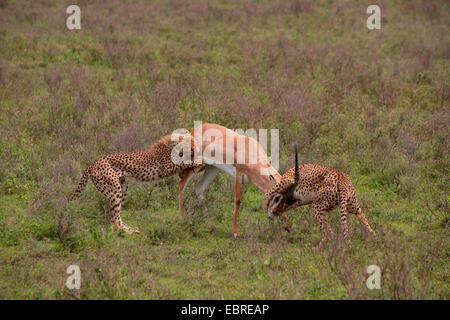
325 188
108 173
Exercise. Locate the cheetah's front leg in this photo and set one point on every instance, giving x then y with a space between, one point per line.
322 220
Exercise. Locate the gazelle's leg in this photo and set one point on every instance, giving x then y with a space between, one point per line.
237 201
285 219
209 175
187 176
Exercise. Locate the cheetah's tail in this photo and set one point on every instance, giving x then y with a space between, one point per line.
81 185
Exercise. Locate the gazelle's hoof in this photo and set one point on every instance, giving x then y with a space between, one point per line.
236 235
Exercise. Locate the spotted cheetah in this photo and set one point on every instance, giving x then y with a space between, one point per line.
322 186
108 173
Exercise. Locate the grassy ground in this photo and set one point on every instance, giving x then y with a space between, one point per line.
373 103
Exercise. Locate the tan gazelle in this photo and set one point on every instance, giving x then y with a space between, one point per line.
240 156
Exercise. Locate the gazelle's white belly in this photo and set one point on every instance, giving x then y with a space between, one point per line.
209 175
227 168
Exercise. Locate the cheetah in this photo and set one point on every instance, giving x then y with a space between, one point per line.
322 186
108 173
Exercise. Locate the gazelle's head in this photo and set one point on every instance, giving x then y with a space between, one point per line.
281 195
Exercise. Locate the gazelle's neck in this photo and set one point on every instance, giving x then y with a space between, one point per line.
263 181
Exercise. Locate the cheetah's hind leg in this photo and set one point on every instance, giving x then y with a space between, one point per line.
364 222
115 203
344 222
124 187
111 188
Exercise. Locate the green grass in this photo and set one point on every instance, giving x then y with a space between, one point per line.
196 257
372 103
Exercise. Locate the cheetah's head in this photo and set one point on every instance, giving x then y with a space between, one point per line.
183 147
281 196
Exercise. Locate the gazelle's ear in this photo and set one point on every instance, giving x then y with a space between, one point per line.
272 179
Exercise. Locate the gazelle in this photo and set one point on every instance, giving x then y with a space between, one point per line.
238 155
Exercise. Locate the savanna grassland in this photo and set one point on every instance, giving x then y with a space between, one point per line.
374 103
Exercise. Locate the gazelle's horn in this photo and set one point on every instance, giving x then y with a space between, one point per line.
290 192
296 167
